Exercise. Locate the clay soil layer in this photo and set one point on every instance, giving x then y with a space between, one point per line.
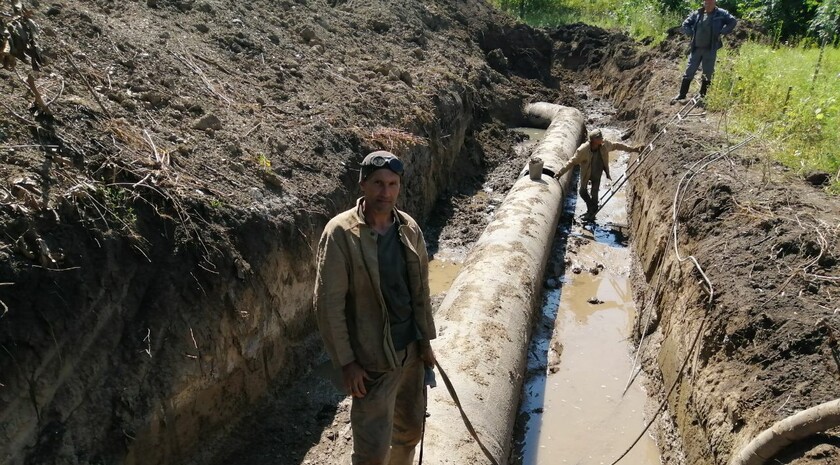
159 227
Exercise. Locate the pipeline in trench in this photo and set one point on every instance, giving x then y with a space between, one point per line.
573 408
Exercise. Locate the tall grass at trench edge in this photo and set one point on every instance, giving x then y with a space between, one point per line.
643 20
793 93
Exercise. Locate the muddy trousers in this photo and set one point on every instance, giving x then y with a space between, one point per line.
387 423
589 194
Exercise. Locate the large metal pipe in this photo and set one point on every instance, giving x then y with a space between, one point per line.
485 320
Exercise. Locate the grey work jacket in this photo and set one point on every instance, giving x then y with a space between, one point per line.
583 157
349 306
722 23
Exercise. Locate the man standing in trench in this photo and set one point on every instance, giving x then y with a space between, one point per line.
705 26
593 158
374 314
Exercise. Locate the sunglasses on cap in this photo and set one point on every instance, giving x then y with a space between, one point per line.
393 164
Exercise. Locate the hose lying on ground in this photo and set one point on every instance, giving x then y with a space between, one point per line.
785 432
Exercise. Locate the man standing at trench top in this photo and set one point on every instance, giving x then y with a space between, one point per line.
705 26
593 158
374 314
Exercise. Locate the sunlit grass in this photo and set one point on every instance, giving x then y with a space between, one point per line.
802 125
759 86
640 19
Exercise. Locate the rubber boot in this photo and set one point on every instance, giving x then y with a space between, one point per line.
683 90
704 86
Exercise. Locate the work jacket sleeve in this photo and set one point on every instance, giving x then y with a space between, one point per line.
331 289
609 146
424 282
729 23
571 162
689 24
620 146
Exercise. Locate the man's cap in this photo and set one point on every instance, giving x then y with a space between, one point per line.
595 134
378 160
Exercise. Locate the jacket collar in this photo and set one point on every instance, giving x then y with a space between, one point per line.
359 216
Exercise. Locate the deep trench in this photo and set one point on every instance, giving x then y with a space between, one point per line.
256 441
303 417
583 398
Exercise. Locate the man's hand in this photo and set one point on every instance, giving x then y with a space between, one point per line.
428 356
353 378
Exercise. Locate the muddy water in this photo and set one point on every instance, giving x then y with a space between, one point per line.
441 275
574 408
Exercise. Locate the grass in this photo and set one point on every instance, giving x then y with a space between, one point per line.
758 85
641 19
118 203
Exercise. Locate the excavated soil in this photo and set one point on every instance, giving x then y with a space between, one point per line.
766 240
159 226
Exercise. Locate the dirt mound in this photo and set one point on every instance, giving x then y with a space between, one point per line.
159 223
766 240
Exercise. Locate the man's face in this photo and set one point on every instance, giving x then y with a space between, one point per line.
595 143
380 190
709 4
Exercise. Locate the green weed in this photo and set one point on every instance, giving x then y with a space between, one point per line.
118 203
792 91
263 161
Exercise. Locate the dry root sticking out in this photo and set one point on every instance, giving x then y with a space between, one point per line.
391 139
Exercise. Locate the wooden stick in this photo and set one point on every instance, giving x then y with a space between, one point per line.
87 84
20 118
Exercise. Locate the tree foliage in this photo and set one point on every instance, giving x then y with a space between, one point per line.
826 22
787 20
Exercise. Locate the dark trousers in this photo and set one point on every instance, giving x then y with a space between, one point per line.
589 194
701 56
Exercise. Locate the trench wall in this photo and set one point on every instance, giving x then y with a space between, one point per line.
153 352
695 429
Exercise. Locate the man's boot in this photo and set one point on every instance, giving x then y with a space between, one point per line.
683 90
704 86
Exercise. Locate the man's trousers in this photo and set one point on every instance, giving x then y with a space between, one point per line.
387 423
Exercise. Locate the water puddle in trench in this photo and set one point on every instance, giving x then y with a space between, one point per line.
441 275
574 409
